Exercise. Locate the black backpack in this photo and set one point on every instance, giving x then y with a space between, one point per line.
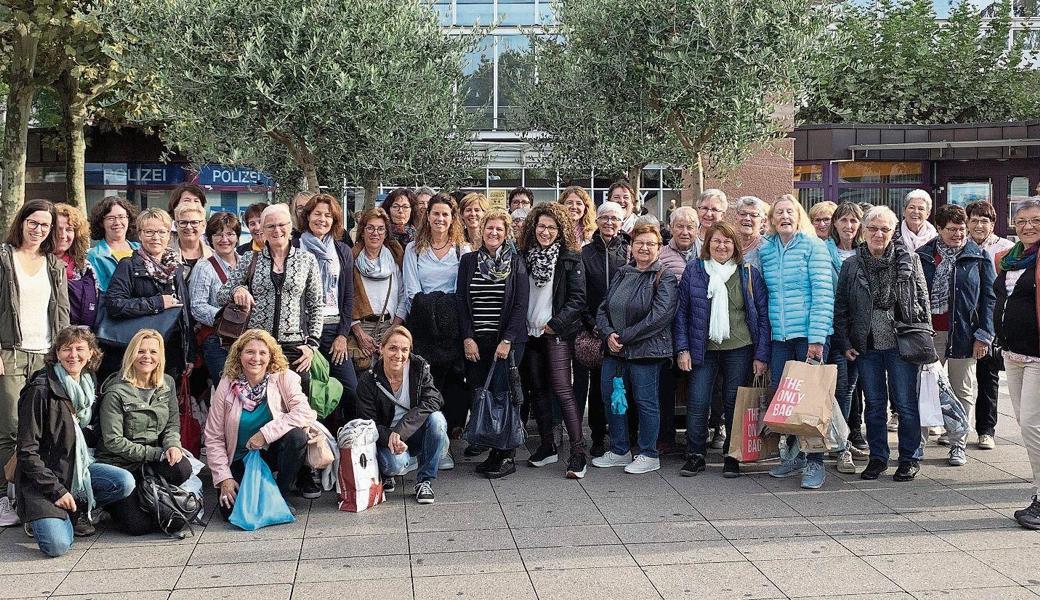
173 507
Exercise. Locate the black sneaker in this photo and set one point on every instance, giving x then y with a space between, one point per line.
307 486
907 471
730 467
874 469
576 465
597 449
1019 513
857 441
502 467
389 485
543 456
82 527
1029 517
487 464
424 492
474 450
694 465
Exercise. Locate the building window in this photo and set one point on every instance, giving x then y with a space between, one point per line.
879 172
472 12
516 12
807 173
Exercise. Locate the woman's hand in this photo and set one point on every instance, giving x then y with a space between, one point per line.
548 330
469 347
256 441
66 502
815 352
243 298
169 301
614 343
684 361
228 492
758 368
173 455
396 444
851 354
339 349
980 349
303 364
364 341
503 348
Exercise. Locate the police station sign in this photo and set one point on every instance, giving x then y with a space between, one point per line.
220 175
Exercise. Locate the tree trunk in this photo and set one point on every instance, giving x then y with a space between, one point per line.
698 177
21 73
633 174
73 121
310 169
371 187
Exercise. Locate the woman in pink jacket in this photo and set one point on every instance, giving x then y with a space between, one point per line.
258 405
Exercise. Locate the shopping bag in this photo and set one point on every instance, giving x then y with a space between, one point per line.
259 502
834 440
358 483
928 405
747 441
802 404
494 420
191 431
955 419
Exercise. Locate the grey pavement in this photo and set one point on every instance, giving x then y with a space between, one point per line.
534 534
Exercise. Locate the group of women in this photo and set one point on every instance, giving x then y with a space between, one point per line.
584 301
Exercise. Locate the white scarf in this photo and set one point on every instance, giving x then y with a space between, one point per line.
912 241
718 293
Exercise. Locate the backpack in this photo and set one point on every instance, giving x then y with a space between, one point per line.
173 507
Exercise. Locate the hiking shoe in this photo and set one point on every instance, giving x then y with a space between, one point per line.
788 468
424 492
543 456
474 450
986 442
730 467
1029 517
8 514
874 469
447 462
597 449
694 464
957 457
389 485
813 476
577 464
845 463
720 439
858 445
893 422
907 471
609 459
643 464
27 528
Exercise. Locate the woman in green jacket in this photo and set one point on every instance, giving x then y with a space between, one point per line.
140 425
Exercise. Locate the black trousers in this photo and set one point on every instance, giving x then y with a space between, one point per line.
987 371
547 373
286 457
592 393
128 515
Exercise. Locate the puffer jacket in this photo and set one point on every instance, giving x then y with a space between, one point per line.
674 261
568 302
972 297
692 315
57 310
801 287
647 330
854 305
134 432
602 262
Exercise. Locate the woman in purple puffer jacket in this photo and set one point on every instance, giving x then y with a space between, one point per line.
71 240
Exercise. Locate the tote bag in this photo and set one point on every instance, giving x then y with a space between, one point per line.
259 502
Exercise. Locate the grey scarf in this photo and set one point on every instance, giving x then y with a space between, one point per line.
943 280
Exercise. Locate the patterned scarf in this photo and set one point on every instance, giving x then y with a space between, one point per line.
881 276
1019 257
496 268
325 251
943 280
163 270
82 394
378 269
251 396
541 262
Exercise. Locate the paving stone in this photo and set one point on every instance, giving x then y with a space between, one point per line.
647 510
922 499
134 557
354 545
21 556
460 541
205 576
580 557
353 568
647 486
790 548
522 490
33 585
548 514
725 581
383 589
466 563
992 539
983 518
748 506
894 543
767 528
688 553
602 584
153 595
119 580
857 524
1004 495
1004 593
455 517
567 535
282 591
1016 564
636 533
220 531
246 552
937 570
825 577
821 503
493 586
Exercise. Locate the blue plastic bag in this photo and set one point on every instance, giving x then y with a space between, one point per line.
618 399
259 502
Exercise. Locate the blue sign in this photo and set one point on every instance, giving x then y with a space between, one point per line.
133 174
220 175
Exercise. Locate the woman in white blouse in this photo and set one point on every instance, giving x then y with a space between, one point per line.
222 230
378 288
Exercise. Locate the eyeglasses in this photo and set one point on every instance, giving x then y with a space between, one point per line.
748 215
224 235
885 230
609 219
192 224
1034 222
400 207
646 245
821 220
723 241
684 227
547 228
710 210
114 219
154 233
979 221
375 229
33 224
274 226
954 230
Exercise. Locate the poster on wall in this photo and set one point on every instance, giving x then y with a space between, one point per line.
963 193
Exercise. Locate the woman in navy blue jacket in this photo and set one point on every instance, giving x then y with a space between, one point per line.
721 325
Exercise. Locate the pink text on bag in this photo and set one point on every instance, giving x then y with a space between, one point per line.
788 396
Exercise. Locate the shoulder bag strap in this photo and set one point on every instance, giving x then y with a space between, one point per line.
491 373
252 269
386 301
219 269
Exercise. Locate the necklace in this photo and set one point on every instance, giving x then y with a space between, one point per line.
436 249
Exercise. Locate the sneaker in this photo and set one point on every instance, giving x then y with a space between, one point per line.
907 471
942 440
694 464
845 462
957 457
788 468
893 422
474 450
597 449
577 464
1029 517
389 485
609 459
813 476
986 442
447 460
719 440
309 488
543 456
730 467
643 464
487 463
502 467
424 492
27 528
874 469
8 514
858 445
937 431
82 527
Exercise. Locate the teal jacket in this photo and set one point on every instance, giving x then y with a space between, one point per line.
800 277
104 264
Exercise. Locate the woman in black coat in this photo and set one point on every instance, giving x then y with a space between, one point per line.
557 298
492 299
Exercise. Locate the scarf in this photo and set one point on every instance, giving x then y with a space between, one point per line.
943 280
82 395
251 396
1019 258
912 240
325 251
685 254
378 269
718 293
163 270
541 262
881 276
496 268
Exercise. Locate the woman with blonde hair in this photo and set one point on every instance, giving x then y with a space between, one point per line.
259 405
188 245
71 241
472 207
820 216
582 212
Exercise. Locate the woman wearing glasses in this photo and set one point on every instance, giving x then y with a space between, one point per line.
400 205
32 283
113 226
188 246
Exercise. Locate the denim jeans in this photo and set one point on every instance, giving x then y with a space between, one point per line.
875 367
793 349
343 372
426 445
214 355
109 484
735 366
641 380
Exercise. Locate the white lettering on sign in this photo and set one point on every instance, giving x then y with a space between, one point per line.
145 175
234 176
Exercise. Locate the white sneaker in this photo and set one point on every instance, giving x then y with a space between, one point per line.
957 457
643 464
8 515
845 462
609 459
447 460
893 423
986 442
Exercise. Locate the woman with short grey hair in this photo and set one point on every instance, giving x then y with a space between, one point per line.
751 220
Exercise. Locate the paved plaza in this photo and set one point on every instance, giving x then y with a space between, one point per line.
534 534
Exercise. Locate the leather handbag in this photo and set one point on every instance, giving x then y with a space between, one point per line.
173 507
118 332
495 420
588 349
232 320
914 341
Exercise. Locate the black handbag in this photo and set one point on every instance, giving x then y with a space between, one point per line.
495 421
914 341
173 507
118 332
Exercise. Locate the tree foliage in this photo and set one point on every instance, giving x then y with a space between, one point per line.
362 89
894 63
